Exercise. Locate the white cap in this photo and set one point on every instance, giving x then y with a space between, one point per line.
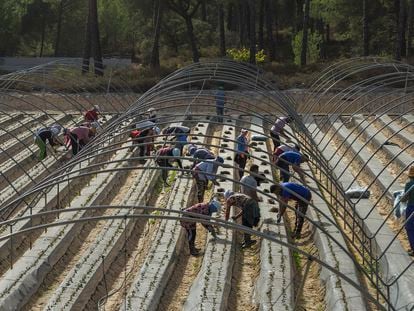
55 129
95 125
96 107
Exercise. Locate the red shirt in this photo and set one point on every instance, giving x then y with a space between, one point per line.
91 115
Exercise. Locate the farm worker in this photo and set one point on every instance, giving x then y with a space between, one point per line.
199 154
79 136
93 114
277 130
220 101
164 156
180 133
47 134
248 210
191 227
249 183
291 159
144 139
408 197
290 191
283 148
242 151
203 172
152 115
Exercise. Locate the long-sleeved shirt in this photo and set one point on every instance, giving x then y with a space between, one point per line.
200 208
238 200
91 115
249 186
408 186
46 134
82 132
296 191
278 125
168 152
206 170
291 158
242 144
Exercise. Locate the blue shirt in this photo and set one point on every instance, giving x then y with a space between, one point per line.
220 99
291 157
207 170
302 191
242 143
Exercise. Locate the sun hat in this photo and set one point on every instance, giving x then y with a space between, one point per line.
228 194
176 152
215 206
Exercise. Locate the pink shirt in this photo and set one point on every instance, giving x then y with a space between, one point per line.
82 132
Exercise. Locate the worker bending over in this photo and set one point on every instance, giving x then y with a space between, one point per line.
45 134
164 157
203 173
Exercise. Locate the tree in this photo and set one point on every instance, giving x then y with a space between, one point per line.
155 53
410 22
62 6
305 34
186 9
252 32
222 38
261 25
365 34
92 41
38 16
400 7
269 29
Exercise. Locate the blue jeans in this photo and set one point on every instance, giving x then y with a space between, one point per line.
409 225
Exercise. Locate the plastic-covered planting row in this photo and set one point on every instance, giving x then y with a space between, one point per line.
57 196
274 285
148 286
24 169
389 253
394 153
81 281
211 288
20 283
398 132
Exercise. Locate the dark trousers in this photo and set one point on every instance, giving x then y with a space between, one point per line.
245 222
191 236
241 162
409 225
165 165
201 189
275 139
76 147
301 209
220 113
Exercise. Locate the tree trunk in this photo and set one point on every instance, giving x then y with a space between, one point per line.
252 32
269 30
242 24
191 36
261 24
230 17
410 29
203 11
365 33
304 50
96 42
400 8
59 29
42 43
87 47
328 34
299 15
155 53
222 36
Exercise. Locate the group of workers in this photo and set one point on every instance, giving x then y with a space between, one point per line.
76 137
246 202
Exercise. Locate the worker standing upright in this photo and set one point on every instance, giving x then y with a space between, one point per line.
45 134
220 101
242 151
191 227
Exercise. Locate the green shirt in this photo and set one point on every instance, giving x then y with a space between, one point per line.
408 185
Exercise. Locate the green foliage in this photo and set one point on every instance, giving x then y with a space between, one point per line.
243 55
314 44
